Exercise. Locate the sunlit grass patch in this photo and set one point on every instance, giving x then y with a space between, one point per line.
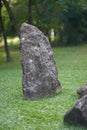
43 114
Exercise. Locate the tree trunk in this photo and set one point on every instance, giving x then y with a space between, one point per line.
5 38
30 11
12 18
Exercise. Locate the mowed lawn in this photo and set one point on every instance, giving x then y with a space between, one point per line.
43 114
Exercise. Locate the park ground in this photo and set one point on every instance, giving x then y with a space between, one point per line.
43 114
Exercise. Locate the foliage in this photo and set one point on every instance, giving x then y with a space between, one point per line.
73 19
67 17
43 114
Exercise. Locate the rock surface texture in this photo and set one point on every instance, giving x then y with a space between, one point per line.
82 90
78 114
40 77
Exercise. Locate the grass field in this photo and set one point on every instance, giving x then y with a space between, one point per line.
43 114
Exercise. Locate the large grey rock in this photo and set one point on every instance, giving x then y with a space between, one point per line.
82 90
78 114
40 77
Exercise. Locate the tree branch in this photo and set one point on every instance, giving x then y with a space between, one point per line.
12 18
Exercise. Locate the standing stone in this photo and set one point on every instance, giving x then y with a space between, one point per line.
78 114
40 77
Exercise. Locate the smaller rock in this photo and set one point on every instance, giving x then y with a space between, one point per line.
78 114
82 90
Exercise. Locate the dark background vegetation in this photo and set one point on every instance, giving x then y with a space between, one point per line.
67 17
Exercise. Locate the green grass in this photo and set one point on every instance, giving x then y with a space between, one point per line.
43 114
